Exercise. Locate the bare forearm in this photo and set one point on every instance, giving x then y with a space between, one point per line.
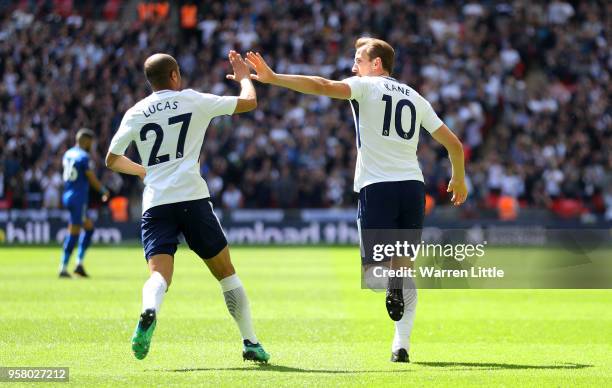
247 100
301 83
455 154
449 140
120 163
247 90
457 184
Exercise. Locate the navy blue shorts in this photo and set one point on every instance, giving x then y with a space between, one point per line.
196 220
388 212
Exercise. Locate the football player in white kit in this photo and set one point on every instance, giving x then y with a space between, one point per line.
168 129
388 117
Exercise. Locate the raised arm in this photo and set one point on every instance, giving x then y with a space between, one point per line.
247 100
457 186
300 83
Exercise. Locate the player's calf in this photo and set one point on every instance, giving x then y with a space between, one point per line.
70 242
237 304
84 242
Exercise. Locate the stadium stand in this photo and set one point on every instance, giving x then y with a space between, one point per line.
525 85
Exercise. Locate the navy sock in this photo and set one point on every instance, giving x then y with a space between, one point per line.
84 242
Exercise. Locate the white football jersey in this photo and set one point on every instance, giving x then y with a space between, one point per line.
168 128
388 117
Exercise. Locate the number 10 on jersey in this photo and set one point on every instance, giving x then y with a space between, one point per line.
398 117
154 159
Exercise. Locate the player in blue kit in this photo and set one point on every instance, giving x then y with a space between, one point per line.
78 175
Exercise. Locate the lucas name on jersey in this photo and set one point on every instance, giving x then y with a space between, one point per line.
160 106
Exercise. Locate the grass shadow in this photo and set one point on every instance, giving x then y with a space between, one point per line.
434 364
284 369
494 365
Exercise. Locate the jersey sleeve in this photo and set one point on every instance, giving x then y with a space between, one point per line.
358 87
214 105
123 137
430 120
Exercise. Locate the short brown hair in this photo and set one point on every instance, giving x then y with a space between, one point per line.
378 48
158 68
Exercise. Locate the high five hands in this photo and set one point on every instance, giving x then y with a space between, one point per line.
239 66
263 72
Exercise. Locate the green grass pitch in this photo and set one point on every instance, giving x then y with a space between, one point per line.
311 315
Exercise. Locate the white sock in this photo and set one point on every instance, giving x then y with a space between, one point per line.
403 327
238 305
153 292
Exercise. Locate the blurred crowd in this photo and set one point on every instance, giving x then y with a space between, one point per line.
524 84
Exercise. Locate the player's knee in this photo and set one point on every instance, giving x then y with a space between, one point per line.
74 229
